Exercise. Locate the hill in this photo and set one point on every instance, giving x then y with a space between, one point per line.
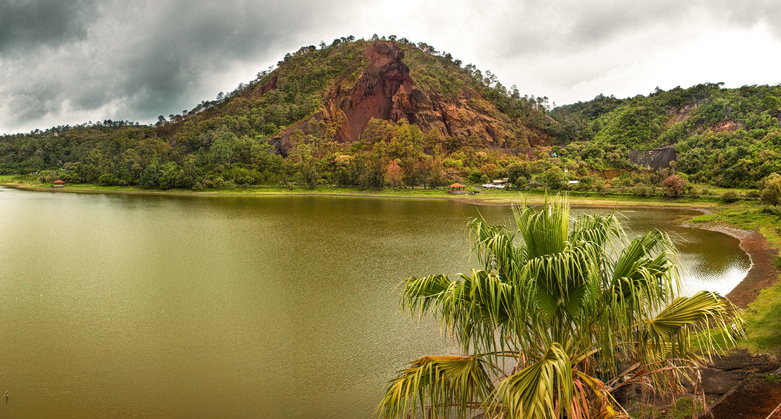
354 113
728 137
392 113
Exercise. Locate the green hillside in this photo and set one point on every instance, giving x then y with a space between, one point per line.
290 125
728 137
392 113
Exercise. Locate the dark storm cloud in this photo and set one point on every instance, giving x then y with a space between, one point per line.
78 60
135 60
29 23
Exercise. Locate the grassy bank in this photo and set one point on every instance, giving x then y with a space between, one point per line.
483 197
763 316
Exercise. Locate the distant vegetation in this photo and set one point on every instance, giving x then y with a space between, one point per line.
723 137
726 137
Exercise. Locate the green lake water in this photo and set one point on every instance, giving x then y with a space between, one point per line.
266 307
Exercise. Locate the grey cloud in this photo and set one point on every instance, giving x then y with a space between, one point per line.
147 57
29 23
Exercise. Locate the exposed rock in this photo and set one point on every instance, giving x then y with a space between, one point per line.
716 382
656 159
266 87
725 126
385 90
741 359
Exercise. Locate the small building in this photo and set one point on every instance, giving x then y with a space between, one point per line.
457 188
58 184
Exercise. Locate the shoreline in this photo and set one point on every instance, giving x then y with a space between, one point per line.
761 273
486 199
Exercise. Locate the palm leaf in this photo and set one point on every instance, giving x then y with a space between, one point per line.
439 384
544 389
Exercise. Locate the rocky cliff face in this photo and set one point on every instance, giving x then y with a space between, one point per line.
656 159
385 90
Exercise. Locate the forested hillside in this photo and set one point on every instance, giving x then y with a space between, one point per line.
353 113
728 137
392 113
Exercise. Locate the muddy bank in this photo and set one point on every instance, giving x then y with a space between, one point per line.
762 272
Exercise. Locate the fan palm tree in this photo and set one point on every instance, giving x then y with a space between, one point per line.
557 319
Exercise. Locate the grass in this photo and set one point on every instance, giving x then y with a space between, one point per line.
685 407
763 316
763 330
705 218
487 197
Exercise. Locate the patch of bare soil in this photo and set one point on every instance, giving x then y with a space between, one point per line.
756 398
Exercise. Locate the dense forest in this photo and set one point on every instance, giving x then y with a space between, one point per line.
392 113
727 137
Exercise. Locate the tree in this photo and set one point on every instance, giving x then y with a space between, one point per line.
554 178
555 321
393 174
490 170
771 191
674 185
222 148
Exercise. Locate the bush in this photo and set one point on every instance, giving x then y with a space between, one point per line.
729 197
771 192
674 185
107 179
554 178
641 190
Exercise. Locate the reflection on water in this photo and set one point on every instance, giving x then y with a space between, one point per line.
710 260
274 307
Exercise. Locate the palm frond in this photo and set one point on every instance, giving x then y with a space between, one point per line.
542 390
546 231
471 309
702 316
439 385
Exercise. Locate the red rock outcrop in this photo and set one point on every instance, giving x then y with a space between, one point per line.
385 90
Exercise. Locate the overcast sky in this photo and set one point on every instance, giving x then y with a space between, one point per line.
69 62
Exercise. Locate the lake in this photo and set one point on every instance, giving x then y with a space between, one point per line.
268 307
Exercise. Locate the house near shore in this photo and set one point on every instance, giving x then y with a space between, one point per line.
497 184
457 189
58 184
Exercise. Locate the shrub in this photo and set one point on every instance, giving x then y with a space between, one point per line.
674 185
729 197
641 190
771 192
